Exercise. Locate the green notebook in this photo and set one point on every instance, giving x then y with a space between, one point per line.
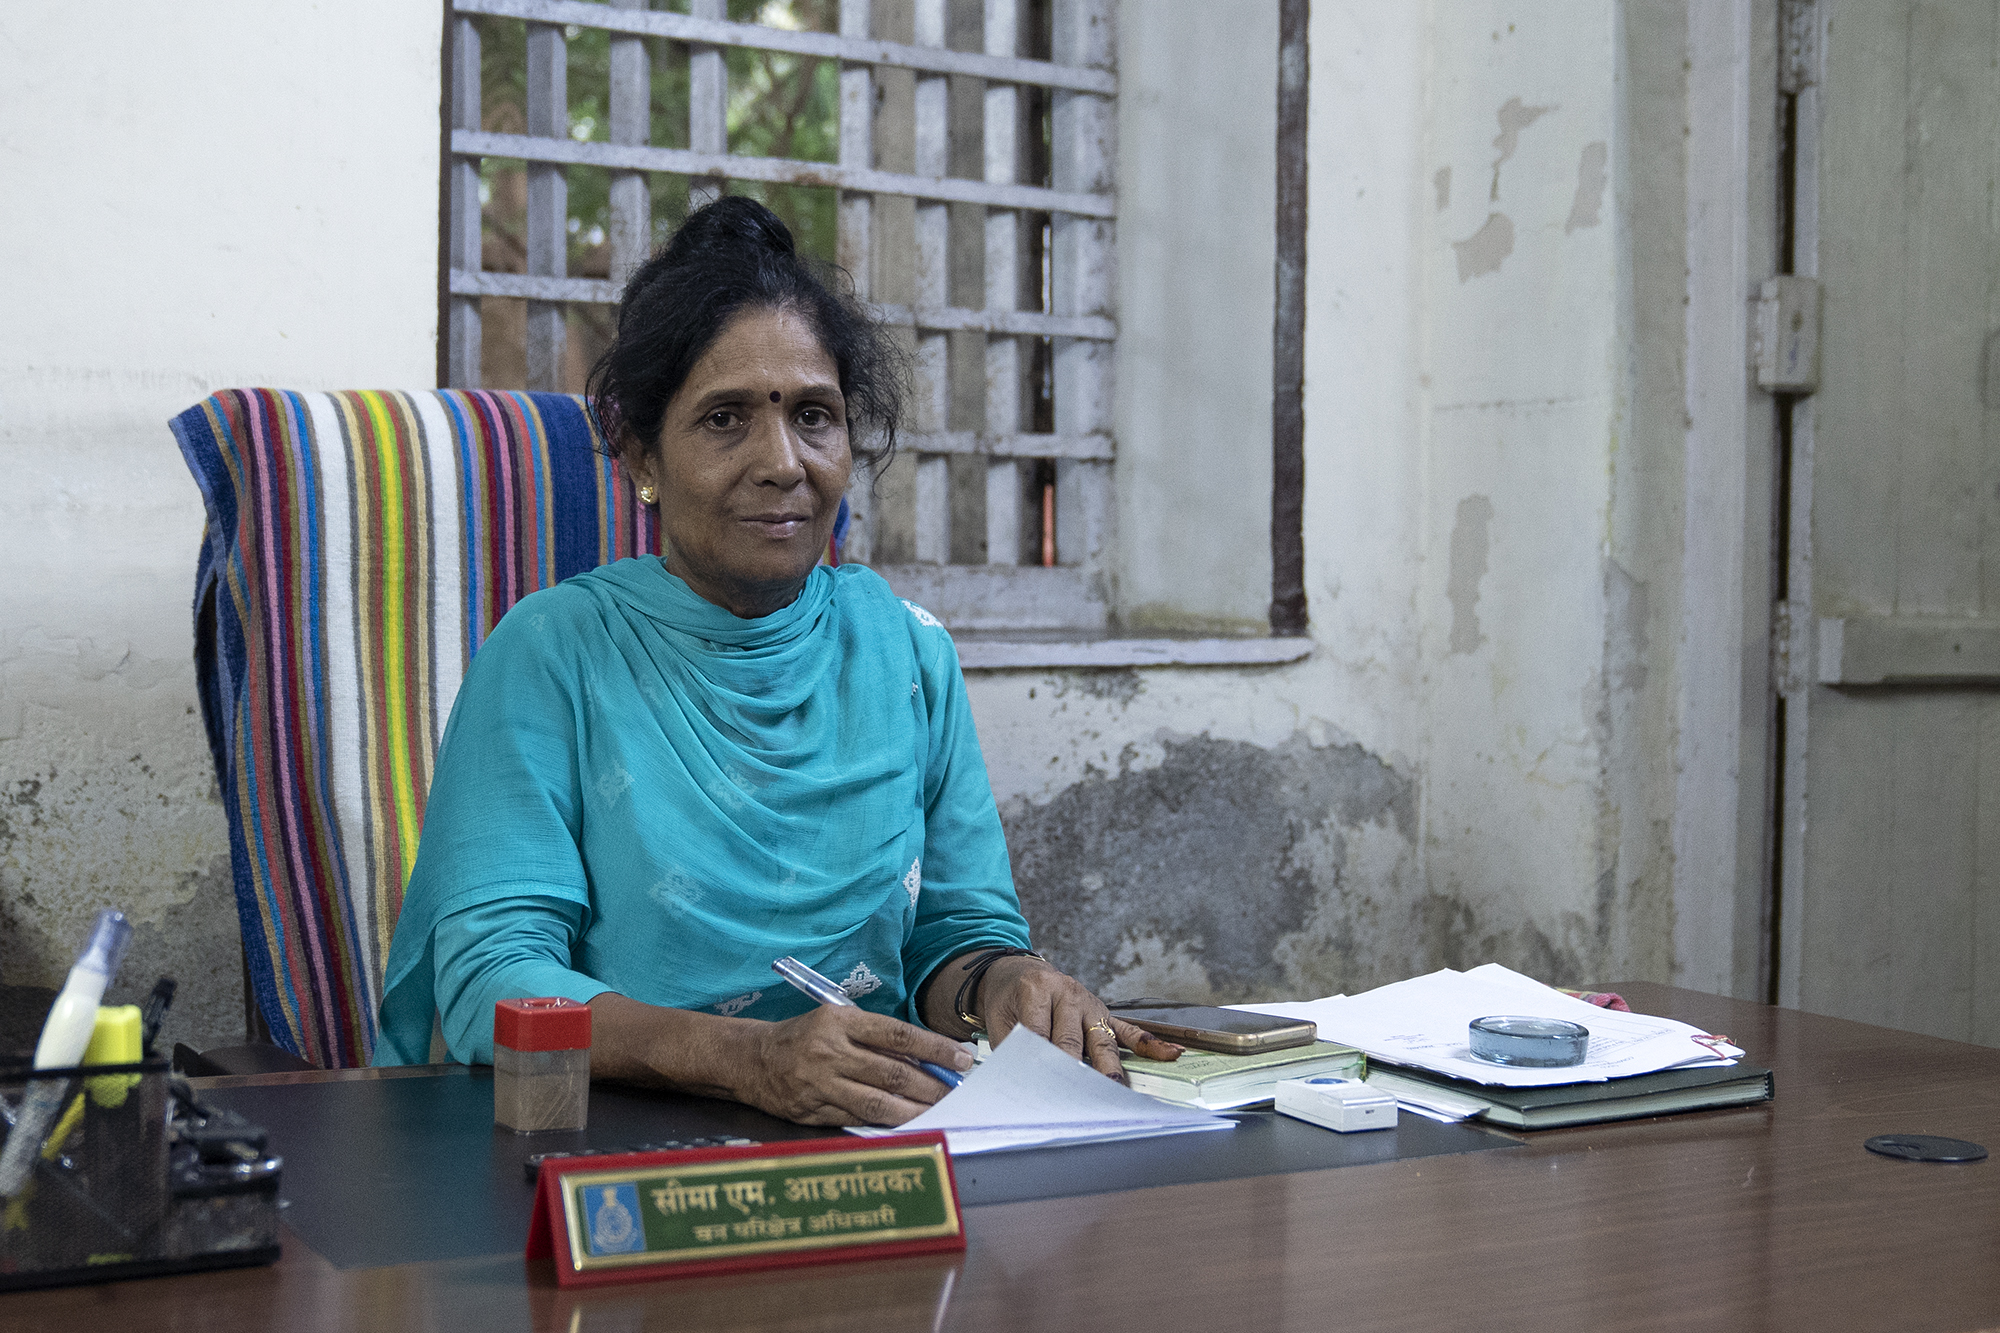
1217 1082
1558 1104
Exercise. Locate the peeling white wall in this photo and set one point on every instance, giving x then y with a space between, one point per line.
247 196
1524 404
1491 539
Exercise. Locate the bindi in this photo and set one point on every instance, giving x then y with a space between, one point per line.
774 396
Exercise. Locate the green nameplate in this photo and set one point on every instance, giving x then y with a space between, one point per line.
709 1210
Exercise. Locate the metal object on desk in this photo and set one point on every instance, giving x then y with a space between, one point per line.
224 1185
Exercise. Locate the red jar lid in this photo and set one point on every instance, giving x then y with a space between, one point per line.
551 1024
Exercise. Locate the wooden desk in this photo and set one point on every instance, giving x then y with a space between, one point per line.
1771 1217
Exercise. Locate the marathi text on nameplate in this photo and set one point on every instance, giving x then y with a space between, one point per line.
692 1211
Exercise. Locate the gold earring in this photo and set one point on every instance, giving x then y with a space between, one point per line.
647 495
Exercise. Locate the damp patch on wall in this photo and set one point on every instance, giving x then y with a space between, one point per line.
116 806
1198 875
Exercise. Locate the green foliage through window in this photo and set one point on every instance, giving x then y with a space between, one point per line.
780 105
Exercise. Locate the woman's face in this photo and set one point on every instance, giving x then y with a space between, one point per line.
751 463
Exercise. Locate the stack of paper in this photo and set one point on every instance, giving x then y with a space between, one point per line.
1423 1021
1028 1094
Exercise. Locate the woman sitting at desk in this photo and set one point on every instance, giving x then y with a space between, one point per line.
663 774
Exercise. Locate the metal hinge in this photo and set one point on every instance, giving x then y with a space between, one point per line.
1798 45
1786 343
1788 652
1781 647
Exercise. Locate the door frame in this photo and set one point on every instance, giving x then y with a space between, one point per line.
1804 35
1725 909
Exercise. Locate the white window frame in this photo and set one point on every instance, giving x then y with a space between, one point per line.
1011 610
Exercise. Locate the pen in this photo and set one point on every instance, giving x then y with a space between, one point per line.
817 986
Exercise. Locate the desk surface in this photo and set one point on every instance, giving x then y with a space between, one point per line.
383 1171
1770 1217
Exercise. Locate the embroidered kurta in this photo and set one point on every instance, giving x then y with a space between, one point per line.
640 792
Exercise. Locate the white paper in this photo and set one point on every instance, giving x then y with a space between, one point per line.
1423 1021
1508 977
1028 1094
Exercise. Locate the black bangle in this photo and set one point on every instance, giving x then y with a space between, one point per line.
968 989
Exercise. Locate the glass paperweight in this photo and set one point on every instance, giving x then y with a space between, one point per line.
1529 1043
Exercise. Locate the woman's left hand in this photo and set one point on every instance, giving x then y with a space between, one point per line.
1045 1001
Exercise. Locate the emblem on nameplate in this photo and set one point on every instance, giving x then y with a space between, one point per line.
614 1222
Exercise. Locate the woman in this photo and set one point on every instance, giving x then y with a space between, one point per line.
663 774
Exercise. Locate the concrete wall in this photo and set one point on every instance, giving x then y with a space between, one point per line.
1477 761
188 206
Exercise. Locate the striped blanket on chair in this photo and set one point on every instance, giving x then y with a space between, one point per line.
359 548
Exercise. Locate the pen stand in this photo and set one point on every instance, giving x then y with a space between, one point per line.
131 1176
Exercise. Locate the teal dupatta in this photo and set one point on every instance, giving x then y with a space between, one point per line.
687 795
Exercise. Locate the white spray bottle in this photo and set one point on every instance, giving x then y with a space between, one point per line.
64 1037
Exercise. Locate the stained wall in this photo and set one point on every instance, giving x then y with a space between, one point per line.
1476 761
189 205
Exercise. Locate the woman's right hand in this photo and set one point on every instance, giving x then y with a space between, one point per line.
837 1066
826 1067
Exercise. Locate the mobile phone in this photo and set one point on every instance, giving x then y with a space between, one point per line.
1230 1031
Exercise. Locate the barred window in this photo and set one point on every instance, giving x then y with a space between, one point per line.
955 157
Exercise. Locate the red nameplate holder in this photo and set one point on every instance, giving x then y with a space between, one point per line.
726 1210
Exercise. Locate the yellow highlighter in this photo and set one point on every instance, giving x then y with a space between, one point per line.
119 1038
116 1038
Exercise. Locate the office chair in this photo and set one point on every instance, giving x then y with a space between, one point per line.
358 549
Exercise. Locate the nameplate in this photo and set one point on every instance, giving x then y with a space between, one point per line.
711 1210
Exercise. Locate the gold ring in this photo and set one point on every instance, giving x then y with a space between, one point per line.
1105 1028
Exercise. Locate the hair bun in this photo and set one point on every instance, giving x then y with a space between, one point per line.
735 223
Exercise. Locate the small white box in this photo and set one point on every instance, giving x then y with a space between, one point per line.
1344 1104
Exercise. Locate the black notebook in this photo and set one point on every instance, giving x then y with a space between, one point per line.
1664 1093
